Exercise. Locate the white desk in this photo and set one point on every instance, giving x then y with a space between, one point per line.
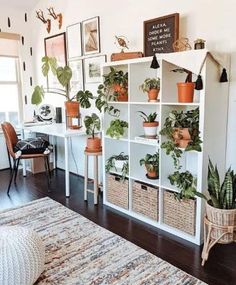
58 130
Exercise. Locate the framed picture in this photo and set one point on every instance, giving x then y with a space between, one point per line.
91 36
77 80
73 33
55 46
160 34
92 68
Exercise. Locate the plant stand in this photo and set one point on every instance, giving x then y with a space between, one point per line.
209 241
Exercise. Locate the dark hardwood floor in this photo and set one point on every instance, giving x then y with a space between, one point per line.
219 269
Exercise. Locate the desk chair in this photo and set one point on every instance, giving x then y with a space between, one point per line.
12 141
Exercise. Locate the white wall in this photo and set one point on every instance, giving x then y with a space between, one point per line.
207 19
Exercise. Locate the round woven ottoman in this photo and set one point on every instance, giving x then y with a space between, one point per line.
22 256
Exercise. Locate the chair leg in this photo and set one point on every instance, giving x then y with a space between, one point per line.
47 170
16 170
12 174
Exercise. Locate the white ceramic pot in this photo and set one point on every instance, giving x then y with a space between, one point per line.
150 129
119 164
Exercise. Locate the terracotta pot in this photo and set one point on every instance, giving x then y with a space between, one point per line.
150 129
181 133
152 95
222 218
182 143
93 144
72 114
185 92
152 174
122 92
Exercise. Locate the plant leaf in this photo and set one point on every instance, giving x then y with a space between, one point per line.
64 75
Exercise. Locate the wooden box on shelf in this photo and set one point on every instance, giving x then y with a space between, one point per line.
126 55
118 191
179 214
145 199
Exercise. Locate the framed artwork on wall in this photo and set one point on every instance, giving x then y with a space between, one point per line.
55 46
160 34
92 68
73 34
91 36
77 79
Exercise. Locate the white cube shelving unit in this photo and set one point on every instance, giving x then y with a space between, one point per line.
213 105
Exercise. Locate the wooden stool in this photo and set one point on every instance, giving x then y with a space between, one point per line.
95 186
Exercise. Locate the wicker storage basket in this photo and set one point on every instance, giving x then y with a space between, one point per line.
224 218
118 191
145 200
179 214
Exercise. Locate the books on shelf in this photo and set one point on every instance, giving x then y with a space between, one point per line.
142 138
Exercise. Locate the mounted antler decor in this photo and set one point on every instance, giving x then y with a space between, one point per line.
55 16
40 16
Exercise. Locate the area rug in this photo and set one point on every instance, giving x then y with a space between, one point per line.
80 252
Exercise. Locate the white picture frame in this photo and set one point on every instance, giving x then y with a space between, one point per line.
92 68
74 42
77 79
91 36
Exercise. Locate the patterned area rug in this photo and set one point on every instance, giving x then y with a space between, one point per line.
80 252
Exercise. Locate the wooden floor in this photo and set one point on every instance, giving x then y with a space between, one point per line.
219 269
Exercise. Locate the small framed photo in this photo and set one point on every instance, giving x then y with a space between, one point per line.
55 46
74 46
77 80
92 68
91 36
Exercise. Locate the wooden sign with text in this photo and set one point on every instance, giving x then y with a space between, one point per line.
160 34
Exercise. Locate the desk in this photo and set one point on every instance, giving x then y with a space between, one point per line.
58 130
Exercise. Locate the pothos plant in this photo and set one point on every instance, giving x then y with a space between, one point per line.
117 128
63 75
181 119
110 164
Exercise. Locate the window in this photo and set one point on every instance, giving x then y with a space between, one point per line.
9 90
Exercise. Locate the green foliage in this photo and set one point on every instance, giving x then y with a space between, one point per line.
103 99
151 161
49 63
186 183
150 83
84 98
116 77
110 164
223 195
92 124
64 75
181 119
148 118
117 128
38 95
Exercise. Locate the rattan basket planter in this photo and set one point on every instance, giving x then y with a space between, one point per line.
179 214
222 220
145 200
118 191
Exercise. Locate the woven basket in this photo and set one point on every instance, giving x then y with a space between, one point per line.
145 200
224 218
117 191
179 214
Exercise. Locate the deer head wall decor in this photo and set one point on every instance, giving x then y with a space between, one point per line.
47 22
55 16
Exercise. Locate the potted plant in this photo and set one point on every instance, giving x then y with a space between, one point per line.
117 128
149 124
151 162
92 124
185 89
118 162
182 131
152 87
63 75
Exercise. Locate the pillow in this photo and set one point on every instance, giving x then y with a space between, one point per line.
31 146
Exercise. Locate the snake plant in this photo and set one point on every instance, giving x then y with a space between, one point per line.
223 195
